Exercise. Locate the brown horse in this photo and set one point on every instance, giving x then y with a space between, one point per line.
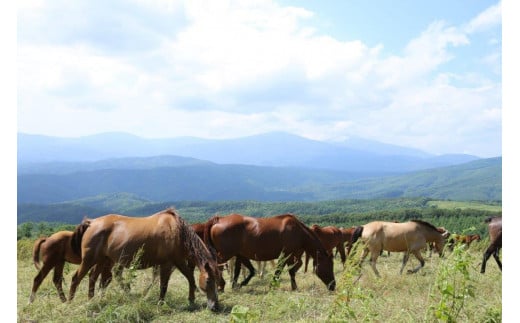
265 239
162 239
465 239
408 237
55 251
331 237
495 237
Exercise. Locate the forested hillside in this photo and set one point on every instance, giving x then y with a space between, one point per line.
477 180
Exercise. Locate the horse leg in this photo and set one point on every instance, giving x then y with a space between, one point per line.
364 254
165 273
58 278
487 254
118 272
106 275
249 266
83 269
99 268
497 259
405 260
155 273
38 280
373 259
294 265
261 267
419 257
236 272
342 254
188 271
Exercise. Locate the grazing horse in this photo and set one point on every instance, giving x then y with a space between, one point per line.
495 237
408 237
463 239
162 239
331 237
265 239
55 251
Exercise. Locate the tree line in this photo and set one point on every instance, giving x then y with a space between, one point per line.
341 213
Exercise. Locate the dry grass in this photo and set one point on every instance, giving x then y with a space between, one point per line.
391 298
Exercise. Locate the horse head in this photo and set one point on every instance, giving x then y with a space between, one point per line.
208 283
324 269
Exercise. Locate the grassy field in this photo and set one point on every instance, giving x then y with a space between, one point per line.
465 205
447 288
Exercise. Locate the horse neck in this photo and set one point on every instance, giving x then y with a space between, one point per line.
312 243
432 235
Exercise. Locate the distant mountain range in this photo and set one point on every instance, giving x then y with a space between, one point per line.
277 149
120 169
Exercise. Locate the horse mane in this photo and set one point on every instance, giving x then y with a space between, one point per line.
305 228
171 210
193 244
77 236
428 224
207 234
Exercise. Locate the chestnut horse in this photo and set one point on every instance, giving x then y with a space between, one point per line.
408 237
162 239
265 239
495 237
463 239
331 237
55 251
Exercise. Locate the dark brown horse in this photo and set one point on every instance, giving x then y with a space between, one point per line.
55 251
265 239
408 237
162 239
495 238
331 237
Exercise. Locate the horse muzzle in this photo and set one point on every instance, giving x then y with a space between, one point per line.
213 306
332 285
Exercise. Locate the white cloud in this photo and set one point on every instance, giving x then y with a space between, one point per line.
491 17
232 68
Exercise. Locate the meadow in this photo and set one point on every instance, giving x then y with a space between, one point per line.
448 289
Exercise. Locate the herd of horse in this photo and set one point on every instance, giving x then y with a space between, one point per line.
104 246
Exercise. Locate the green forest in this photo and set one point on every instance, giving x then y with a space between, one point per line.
456 216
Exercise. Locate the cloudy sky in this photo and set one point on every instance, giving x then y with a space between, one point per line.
423 74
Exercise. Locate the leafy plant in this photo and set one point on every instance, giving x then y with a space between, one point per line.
453 286
242 314
353 302
274 283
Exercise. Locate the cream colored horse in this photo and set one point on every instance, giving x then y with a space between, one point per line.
409 237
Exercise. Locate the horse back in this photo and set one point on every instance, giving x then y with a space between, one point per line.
256 238
55 248
120 238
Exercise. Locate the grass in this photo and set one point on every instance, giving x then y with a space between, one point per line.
475 205
358 297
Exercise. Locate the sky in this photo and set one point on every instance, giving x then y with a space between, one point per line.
421 74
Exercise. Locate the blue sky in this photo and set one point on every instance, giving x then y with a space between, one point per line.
426 74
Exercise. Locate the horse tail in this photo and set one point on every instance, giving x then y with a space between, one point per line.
357 233
36 252
77 236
